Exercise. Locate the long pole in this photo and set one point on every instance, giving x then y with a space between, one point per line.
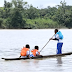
46 44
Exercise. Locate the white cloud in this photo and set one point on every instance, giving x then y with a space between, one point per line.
1 3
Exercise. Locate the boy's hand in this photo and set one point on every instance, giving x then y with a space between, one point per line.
50 38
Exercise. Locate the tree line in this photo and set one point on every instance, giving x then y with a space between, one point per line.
18 14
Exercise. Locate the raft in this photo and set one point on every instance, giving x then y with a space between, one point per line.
46 56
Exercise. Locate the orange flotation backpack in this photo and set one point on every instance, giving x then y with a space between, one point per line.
24 51
34 52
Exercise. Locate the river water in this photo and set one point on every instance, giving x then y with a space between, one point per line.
11 42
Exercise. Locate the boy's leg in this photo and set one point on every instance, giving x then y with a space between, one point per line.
59 48
31 55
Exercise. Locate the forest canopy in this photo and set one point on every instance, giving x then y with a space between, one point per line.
18 14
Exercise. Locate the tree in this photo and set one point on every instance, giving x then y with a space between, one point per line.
7 8
1 21
32 13
60 14
17 20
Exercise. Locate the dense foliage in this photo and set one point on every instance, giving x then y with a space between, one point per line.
20 15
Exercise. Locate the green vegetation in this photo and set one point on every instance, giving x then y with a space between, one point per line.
20 15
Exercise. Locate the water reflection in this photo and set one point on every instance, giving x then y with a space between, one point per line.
36 62
59 60
27 64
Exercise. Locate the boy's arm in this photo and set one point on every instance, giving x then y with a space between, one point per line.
55 39
37 53
28 54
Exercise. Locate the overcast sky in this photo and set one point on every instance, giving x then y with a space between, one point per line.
41 3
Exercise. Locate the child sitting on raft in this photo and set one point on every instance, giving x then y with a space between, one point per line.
35 52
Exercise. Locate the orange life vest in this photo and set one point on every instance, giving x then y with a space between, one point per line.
34 52
24 51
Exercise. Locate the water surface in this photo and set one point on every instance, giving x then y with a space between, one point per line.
11 42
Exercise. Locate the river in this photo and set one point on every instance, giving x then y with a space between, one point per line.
11 42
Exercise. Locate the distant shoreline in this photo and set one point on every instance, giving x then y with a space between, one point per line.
35 29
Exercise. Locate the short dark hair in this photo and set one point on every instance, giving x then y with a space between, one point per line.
56 30
36 47
27 46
